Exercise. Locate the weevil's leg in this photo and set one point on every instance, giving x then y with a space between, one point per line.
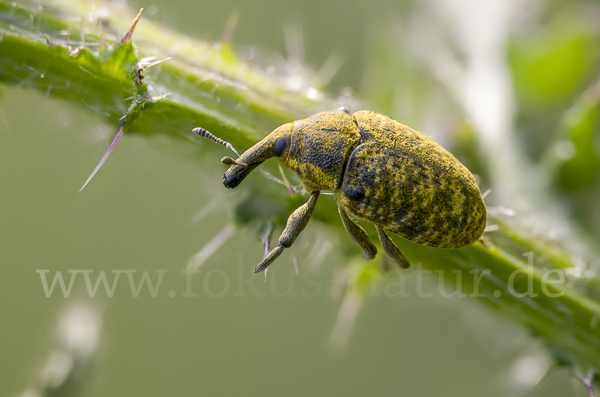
391 248
295 224
358 234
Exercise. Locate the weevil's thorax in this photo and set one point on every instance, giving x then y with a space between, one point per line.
320 148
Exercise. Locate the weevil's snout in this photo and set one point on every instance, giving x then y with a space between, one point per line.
235 175
275 144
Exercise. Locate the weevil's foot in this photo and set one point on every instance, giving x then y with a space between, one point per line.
398 257
392 249
266 262
403 262
370 254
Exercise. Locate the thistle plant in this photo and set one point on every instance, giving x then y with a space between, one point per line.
537 269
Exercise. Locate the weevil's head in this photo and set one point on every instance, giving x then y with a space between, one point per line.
276 144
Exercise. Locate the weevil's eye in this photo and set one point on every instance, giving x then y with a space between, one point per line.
279 146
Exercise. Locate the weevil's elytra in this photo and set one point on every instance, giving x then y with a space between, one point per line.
380 171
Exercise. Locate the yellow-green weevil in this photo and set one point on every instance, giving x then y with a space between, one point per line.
380 171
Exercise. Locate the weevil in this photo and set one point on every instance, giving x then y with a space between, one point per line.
379 171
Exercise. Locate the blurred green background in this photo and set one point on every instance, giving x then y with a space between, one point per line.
275 339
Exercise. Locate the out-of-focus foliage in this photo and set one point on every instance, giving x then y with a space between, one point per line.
579 162
556 72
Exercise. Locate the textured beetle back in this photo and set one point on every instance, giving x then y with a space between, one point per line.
408 184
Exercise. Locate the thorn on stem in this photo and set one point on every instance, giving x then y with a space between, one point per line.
267 246
210 248
141 68
153 63
485 240
229 31
155 98
588 382
491 228
50 44
287 184
295 260
346 318
267 240
74 53
108 152
129 33
329 69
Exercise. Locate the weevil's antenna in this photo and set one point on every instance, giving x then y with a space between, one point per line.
229 161
225 160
